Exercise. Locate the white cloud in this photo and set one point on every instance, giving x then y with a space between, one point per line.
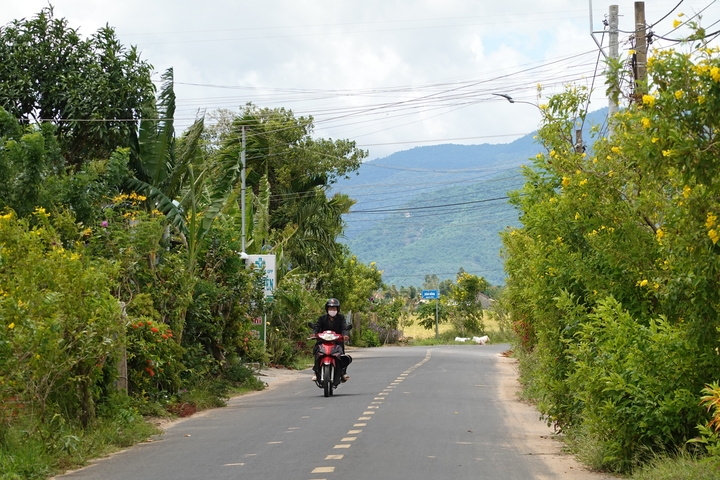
329 57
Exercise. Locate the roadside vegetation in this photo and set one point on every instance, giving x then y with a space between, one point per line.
613 278
123 295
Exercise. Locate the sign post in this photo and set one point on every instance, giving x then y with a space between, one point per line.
267 264
430 294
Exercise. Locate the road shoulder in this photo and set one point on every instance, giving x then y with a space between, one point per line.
531 434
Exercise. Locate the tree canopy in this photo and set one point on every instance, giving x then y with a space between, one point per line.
92 88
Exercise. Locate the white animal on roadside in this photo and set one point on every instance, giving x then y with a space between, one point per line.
481 340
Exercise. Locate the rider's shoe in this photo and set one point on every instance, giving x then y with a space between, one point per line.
314 378
345 378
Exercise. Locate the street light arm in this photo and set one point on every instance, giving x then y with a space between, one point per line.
512 100
505 96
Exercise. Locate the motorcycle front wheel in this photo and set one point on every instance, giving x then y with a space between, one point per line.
327 376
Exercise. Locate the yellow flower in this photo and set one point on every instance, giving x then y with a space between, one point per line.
642 283
714 235
654 140
565 181
648 100
632 51
715 73
616 150
553 154
11 326
667 153
676 23
701 99
40 212
711 220
645 122
577 216
659 234
679 94
583 182
687 191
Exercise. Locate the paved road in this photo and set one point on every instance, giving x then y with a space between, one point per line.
419 413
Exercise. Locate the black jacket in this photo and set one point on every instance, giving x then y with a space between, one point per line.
336 324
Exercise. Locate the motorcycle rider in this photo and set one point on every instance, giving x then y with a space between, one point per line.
335 321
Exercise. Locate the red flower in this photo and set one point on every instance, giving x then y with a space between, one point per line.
154 330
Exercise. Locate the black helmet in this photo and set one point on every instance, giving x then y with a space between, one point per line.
333 302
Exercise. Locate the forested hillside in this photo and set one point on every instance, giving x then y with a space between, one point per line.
436 209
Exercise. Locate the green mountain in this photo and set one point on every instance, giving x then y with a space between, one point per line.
436 209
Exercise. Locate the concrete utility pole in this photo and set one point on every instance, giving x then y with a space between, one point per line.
242 190
613 54
640 51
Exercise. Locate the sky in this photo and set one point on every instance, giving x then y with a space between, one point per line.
389 74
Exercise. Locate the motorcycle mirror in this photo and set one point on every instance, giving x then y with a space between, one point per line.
311 325
349 327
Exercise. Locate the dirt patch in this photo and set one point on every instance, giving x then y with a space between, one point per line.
532 436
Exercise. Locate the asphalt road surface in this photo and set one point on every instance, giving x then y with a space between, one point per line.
420 413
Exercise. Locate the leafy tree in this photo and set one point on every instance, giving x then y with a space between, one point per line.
92 89
282 156
467 311
27 157
617 261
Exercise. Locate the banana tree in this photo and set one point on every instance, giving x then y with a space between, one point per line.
176 180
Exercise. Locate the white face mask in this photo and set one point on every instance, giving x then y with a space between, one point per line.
332 312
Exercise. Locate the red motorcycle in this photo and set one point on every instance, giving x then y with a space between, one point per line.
333 360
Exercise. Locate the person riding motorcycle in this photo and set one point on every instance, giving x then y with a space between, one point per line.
335 321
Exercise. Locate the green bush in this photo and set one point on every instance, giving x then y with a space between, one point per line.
635 383
367 338
153 358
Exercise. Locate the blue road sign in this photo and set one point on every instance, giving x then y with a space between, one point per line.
427 294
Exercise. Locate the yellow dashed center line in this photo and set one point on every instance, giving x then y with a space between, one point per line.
324 470
373 406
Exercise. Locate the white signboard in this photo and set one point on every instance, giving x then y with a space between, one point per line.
266 262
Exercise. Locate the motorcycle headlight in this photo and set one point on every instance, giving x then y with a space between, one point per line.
328 337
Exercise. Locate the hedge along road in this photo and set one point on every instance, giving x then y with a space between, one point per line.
419 413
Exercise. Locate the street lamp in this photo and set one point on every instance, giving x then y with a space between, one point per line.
512 100
578 146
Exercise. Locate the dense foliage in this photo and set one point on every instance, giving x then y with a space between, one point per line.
91 88
613 276
121 288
